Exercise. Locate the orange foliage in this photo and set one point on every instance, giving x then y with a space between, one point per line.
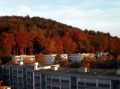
65 63
7 40
2 86
22 40
40 58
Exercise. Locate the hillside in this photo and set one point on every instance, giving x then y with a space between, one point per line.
25 35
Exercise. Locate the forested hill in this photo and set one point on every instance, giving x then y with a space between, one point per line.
25 35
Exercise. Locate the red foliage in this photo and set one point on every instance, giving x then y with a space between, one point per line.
7 41
11 62
65 63
22 40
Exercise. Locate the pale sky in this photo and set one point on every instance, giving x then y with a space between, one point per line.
98 15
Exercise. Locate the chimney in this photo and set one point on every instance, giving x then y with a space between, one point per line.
35 65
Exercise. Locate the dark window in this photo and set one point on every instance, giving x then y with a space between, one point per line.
37 77
14 77
65 81
19 77
7 70
104 85
19 71
81 87
55 87
90 84
80 83
48 87
28 72
28 79
37 84
20 84
15 71
49 79
55 80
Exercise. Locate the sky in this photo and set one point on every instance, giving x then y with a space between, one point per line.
98 15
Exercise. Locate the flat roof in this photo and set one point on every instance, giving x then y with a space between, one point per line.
91 73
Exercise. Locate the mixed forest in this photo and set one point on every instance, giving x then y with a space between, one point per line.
30 35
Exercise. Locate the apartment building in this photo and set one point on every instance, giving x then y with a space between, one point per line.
51 57
35 76
88 55
18 58
75 57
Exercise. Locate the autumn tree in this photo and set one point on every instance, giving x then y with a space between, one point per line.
40 58
49 46
110 57
113 64
102 62
65 63
69 46
82 42
118 57
85 62
22 39
58 59
2 86
40 43
11 62
26 60
32 36
58 45
7 43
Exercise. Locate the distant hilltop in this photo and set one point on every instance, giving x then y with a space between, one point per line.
31 35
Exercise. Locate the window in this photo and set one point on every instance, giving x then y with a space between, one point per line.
14 71
19 71
37 77
19 77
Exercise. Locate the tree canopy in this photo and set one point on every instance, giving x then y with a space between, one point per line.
23 35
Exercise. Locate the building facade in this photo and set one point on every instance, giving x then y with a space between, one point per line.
19 58
75 57
51 57
52 77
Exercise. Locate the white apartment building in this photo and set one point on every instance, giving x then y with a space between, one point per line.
18 58
75 57
51 57
102 54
